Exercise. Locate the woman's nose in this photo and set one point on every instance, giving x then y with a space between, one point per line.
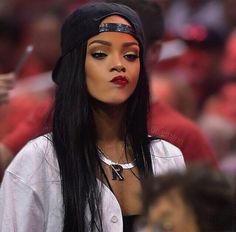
117 63
118 68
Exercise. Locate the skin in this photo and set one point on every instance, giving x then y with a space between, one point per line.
6 84
112 54
6 157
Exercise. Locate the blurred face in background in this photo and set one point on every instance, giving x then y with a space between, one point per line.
195 64
170 213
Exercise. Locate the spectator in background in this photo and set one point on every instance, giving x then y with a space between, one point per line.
199 65
17 124
198 200
44 32
218 120
44 37
168 89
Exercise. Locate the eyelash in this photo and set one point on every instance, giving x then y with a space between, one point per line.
131 56
99 55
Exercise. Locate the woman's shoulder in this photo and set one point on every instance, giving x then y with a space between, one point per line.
38 148
35 160
163 149
165 157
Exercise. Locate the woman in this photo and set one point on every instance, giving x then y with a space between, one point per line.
85 176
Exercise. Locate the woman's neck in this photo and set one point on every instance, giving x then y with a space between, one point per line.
109 128
108 120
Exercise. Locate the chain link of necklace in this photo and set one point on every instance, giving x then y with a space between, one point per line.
113 165
109 162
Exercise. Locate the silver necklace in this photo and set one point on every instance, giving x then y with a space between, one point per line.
117 168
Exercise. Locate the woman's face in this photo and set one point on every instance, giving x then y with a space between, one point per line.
112 65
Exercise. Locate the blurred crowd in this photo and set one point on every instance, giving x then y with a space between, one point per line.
195 71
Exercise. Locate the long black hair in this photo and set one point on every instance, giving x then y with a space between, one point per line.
74 140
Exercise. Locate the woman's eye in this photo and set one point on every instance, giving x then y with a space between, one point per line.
99 55
130 56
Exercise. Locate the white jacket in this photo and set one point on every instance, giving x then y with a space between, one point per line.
30 194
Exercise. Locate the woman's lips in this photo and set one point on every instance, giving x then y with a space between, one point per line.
120 80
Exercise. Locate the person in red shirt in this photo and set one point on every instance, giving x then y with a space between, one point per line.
172 126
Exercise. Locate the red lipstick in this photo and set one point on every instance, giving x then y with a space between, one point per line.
120 81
